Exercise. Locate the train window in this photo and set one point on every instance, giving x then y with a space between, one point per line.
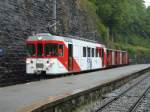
100 52
40 49
96 52
92 52
84 51
31 49
89 52
51 49
61 50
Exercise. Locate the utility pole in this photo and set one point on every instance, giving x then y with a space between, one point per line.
52 26
54 14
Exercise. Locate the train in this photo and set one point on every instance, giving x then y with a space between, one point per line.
56 55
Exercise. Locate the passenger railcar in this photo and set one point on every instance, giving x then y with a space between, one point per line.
58 55
116 57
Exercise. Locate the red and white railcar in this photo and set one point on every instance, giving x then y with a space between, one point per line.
116 57
58 55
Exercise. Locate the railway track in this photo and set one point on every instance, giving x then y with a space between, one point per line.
135 106
128 100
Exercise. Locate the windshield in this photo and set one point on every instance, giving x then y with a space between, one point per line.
40 49
31 50
54 50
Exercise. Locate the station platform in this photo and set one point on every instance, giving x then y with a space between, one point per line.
18 97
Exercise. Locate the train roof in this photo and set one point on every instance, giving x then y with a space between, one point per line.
44 36
48 36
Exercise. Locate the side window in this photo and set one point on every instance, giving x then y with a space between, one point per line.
54 49
31 49
84 51
61 50
89 52
51 49
92 52
96 52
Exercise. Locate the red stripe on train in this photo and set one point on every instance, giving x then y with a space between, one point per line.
62 59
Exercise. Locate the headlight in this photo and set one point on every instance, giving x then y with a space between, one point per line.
28 61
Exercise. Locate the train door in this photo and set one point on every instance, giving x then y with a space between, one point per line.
120 57
70 57
109 57
113 57
123 57
116 58
103 57
119 60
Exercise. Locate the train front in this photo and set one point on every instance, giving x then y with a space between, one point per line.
43 53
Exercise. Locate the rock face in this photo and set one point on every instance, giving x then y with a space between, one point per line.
21 18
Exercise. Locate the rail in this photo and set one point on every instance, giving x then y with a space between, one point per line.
120 95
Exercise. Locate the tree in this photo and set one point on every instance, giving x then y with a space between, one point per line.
123 16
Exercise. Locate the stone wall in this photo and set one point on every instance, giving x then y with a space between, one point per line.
21 18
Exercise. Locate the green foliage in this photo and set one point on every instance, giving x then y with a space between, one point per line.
90 7
124 15
128 22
